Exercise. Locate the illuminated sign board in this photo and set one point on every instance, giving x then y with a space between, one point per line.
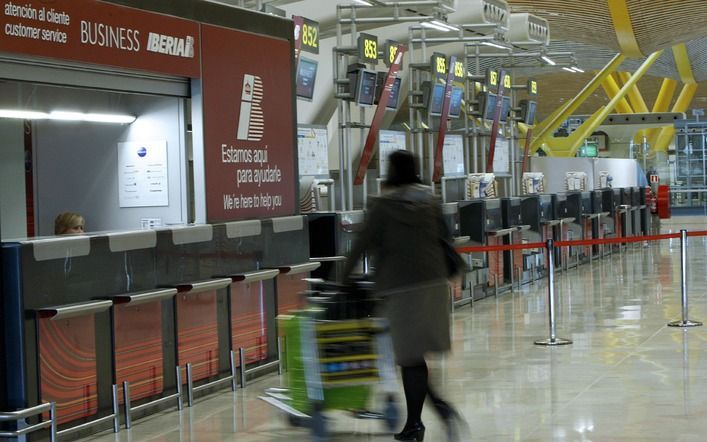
459 71
438 64
307 32
532 87
390 50
368 48
491 80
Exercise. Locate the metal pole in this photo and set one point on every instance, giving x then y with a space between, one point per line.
234 376
241 358
190 386
279 355
553 340
116 410
52 418
180 405
126 404
683 283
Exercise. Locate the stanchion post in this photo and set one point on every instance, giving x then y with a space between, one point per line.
234 377
190 386
279 352
126 404
495 285
241 357
52 418
684 322
178 377
116 410
553 340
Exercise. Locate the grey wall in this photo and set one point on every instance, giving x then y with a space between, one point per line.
13 217
76 166
624 172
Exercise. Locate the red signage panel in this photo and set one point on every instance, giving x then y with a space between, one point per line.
249 138
95 32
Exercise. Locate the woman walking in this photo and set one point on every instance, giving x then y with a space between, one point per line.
405 235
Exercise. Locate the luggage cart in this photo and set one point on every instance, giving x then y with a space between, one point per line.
336 355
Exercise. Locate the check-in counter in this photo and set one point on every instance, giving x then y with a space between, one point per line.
538 214
608 205
626 211
287 250
85 313
575 209
600 217
333 234
513 260
644 211
472 224
481 221
563 229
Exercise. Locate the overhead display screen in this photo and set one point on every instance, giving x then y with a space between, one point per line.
306 75
455 105
435 100
366 88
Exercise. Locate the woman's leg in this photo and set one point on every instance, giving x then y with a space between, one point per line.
416 388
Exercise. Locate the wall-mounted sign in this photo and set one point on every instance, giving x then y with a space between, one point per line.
459 71
507 83
97 32
491 80
438 64
307 33
390 50
368 48
532 87
249 125
142 174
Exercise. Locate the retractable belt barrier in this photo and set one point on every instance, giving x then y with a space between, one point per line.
550 245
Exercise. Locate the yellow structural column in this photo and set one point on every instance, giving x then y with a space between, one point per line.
624 28
634 95
550 124
568 146
612 89
662 103
682 61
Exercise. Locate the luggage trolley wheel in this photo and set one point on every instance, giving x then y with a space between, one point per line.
391 414
318 423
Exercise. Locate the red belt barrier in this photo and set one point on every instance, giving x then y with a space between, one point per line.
578 242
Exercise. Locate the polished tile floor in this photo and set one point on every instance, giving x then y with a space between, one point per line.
626 377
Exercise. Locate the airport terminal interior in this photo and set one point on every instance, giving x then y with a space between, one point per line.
183 183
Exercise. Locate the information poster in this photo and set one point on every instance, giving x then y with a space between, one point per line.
501 161
313 151
453 156
142 174
249 125
388 142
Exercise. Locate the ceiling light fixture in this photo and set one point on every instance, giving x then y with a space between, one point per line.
493 45
565 68
23 114
363 2
66 116
576 69
94 118
439 25
548 60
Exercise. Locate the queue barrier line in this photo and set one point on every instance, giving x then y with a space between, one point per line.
549 247
577 242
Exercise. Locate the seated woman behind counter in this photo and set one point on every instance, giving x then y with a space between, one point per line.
68 223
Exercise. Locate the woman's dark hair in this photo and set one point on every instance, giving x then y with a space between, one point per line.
401 169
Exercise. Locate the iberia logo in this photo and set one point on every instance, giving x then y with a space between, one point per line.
251 123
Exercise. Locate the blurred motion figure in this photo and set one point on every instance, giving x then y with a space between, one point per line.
404 233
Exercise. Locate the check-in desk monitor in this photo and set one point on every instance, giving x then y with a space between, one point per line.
331 238
512 220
